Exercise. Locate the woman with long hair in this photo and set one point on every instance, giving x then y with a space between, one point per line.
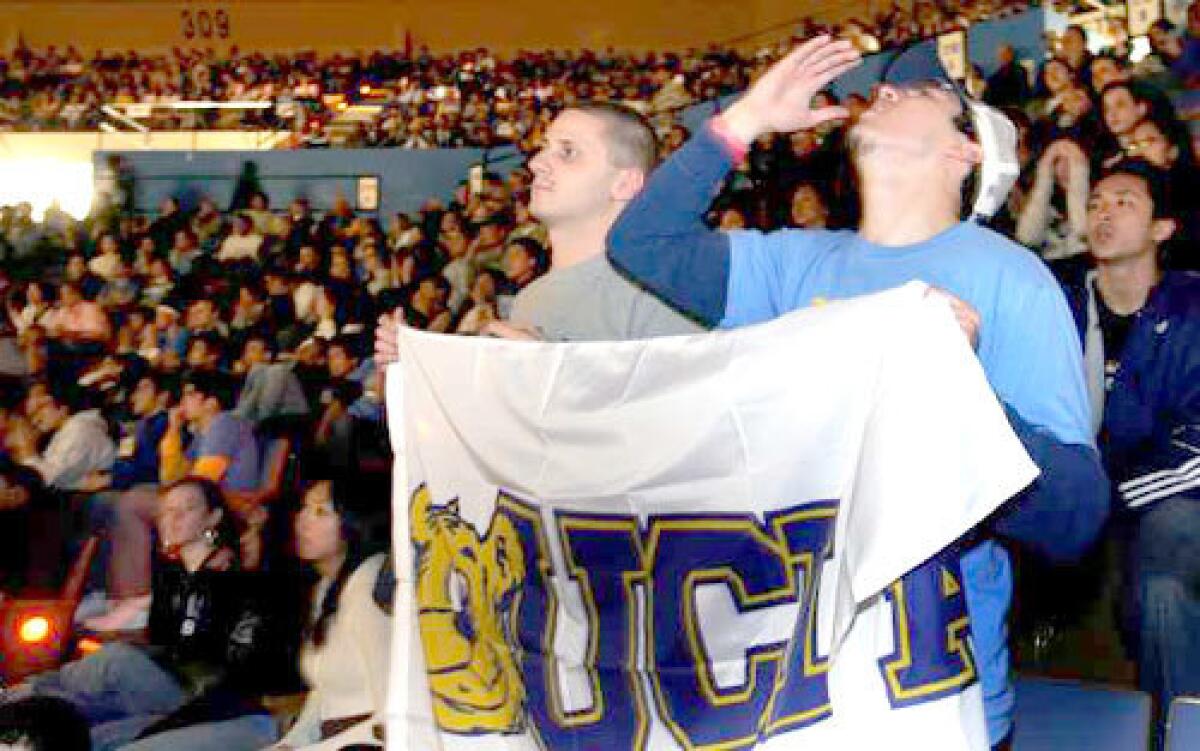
346 651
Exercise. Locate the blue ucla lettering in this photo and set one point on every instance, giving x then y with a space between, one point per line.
604 558
931 658
617 564
736 553
802 697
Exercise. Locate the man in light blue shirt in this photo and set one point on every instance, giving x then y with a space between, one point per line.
913 151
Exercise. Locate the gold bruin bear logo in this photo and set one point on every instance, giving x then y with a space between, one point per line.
465 585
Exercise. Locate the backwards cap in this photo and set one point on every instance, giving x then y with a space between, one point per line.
996 134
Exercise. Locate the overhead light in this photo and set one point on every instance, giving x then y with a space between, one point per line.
43 182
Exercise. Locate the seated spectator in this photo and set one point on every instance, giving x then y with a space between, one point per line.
203 317
159 283
1123 105
527 225
170 338
259 349
1140 328
1106 69
375 271
402 233
481 307
730 218
184 251
38 302
107 258
1164 143
77 435
250 313
524 261
135 329
130 488
243 244
345 657
206 224
1008 85
808 208
459 271
1055 80
487 247
343 360
77 319
215 643
452 239
324 316
1073 50
76 273
259 212
1053 220
222 447
1075 118
143 254
1167 64
306 275
205 352
426 306
169 221
121 290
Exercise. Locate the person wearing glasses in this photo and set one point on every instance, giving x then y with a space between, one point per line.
916 150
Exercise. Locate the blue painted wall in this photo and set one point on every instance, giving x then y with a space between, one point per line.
406 178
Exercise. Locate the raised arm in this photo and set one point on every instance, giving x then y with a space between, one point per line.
660 239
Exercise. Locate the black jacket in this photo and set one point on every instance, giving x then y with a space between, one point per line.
227 636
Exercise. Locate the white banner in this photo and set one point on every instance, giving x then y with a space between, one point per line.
694 542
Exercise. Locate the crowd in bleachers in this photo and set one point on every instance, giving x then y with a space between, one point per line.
426 100
143 348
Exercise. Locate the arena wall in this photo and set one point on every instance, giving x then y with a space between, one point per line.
349 25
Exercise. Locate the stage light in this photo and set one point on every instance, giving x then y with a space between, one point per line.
35 629
365 89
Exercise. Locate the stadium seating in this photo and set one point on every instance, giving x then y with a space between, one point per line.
1056 715
1183 724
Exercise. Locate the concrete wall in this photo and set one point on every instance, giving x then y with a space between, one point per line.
347 25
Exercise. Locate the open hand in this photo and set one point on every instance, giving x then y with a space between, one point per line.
780 101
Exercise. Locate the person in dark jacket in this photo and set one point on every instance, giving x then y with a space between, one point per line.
1140 327
217 641
1008 86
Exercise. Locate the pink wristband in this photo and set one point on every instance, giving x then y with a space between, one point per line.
733 145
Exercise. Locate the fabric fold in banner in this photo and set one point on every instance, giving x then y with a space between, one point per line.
734 540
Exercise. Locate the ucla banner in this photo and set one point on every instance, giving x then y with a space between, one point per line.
740 540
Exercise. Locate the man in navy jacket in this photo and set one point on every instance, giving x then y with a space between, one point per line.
1140 325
